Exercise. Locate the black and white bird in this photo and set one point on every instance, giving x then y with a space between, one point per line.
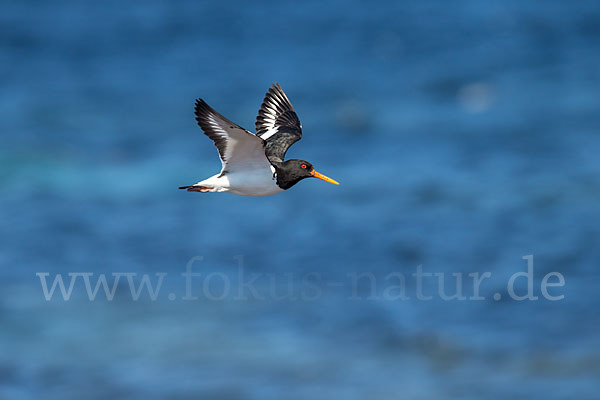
253 165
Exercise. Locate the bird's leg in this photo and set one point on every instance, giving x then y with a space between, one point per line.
200 189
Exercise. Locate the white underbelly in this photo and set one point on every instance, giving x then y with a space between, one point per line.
252 182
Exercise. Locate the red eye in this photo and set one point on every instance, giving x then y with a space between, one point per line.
303 166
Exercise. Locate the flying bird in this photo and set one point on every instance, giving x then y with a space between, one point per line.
253 165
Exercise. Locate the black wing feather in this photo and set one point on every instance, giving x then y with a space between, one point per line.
278 124
203 112
236 145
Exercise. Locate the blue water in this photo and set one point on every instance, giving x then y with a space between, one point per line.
465 137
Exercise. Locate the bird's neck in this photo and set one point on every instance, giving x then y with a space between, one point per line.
286 176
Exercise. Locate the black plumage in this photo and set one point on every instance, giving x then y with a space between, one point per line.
278 124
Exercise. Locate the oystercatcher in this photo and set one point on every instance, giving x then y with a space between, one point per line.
253 165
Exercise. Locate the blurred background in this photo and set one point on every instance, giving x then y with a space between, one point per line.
465 136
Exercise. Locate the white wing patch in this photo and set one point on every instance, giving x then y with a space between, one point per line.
276 111
269 133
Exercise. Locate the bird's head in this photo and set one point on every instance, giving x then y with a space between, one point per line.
296 170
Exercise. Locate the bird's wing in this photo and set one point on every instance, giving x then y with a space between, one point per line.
238 148
277 124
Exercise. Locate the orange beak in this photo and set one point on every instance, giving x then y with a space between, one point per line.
323 177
